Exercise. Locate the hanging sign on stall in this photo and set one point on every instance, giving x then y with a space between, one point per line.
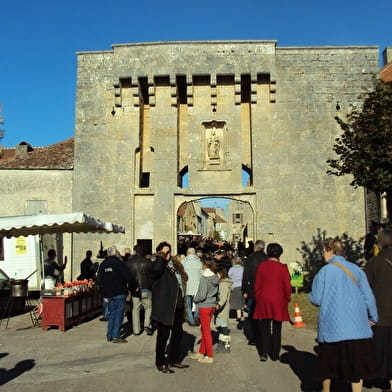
20 246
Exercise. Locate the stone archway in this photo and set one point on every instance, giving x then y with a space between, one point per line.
201 215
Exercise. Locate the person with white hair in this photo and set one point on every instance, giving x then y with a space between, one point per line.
114 279
192 267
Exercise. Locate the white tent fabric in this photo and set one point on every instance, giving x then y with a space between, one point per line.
73 222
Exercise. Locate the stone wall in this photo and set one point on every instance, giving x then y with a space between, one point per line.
146 114
52 187
24 191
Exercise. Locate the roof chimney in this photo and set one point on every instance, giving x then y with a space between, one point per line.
23 148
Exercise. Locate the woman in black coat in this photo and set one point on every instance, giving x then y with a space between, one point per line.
379 273
167 308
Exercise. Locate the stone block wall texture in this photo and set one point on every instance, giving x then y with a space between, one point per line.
152 108
50 188
53 187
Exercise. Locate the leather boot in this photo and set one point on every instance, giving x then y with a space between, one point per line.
221 344
227 340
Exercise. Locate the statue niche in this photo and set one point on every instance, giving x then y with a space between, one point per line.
214 141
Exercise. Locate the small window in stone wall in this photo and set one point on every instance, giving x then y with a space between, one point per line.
247 176
144 180
183 178
34 207
237 218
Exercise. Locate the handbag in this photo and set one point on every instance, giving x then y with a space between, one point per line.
346 270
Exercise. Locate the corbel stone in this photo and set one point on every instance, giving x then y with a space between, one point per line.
237 89
272 90
136 95
189 94
173 94
117 94
151 95
253 88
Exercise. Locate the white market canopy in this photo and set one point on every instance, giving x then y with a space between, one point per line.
73 222
190 232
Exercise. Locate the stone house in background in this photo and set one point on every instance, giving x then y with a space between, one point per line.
160 124
221 226
192 220
215 223
386 70
39 180
240 218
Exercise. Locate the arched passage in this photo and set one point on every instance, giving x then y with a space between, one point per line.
221 219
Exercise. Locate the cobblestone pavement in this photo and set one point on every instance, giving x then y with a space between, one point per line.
80 359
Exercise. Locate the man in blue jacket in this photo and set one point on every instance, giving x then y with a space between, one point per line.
114 280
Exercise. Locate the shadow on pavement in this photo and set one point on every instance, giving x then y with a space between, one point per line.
187 344
302 363
20 367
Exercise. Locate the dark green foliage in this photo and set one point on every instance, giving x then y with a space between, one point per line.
217 236
312 254
353 250
365 147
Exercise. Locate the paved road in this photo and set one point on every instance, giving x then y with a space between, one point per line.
80 359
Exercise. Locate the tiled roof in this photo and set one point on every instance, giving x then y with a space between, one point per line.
181 209
219 219
209 210
386 73
56 156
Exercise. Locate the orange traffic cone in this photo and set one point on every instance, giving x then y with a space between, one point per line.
298 323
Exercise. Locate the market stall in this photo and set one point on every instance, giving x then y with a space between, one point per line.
72 302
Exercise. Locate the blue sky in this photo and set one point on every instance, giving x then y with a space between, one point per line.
40 38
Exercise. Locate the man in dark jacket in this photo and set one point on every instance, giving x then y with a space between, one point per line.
114 278
222 260
52 270
88 268
248 291
167 309
140 266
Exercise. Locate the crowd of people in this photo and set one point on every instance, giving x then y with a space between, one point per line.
204 286
208 283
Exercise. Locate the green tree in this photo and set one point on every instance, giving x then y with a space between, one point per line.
312 254
365 148
217 236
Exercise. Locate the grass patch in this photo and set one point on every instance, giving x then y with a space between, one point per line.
308 311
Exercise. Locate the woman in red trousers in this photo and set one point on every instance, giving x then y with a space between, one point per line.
206 300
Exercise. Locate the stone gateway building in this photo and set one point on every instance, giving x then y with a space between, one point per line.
160 124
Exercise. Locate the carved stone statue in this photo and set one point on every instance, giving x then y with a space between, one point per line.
213 146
